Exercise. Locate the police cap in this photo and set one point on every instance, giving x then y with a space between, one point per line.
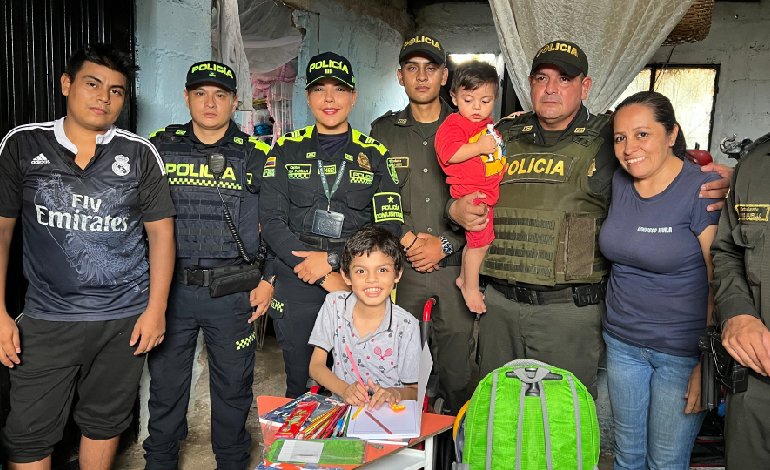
422 45
567 56
211 73
330 65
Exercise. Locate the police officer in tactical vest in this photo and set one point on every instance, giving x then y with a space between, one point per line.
213 170
435 249
544 273
321 183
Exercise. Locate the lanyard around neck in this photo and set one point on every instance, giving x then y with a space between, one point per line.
335 186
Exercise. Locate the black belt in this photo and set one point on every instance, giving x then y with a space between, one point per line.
580 295
194 276
759 377
323 243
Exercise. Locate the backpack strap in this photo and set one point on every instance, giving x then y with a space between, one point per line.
578 434
491 420
524 376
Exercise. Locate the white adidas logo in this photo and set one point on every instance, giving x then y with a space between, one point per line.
40 160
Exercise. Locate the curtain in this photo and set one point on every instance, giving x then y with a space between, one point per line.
276 88
618 36
227 47
270 39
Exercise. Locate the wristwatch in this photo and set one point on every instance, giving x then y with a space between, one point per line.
334 260
446 245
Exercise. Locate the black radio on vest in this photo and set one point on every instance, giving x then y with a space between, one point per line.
217 165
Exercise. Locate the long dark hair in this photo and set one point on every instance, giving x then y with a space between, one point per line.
663 111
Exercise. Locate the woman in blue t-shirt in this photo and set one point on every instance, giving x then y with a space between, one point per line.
657 235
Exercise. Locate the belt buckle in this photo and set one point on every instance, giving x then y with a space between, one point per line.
526 296
586 295
189 276
197 277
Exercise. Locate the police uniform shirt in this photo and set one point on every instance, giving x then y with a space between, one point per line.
191 177
741 255
293 191
421 181
85 255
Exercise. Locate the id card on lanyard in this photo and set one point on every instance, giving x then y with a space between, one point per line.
328 223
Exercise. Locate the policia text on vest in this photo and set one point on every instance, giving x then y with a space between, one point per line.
228 177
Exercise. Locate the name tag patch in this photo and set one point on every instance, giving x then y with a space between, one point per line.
298 171
399 162
752 212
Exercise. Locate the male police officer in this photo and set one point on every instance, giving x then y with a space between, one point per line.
741 252
210 164
434 249
87 194
545 275
321 184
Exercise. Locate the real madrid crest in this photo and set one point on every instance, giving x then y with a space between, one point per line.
363 161
121 167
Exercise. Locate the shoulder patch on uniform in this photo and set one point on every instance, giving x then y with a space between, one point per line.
517 119
365 141
259 144
392 170
153 134
387 207
384 116
296 136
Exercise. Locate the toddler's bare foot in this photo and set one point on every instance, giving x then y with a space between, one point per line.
474 299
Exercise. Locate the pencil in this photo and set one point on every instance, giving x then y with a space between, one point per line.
377 422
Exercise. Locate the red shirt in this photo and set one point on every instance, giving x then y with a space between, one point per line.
453 133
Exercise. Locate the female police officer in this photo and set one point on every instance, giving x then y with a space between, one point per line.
320 185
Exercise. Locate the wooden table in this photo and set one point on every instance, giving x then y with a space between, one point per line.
377 457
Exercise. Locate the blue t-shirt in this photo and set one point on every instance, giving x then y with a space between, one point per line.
657 295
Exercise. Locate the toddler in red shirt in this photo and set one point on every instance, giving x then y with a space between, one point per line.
472 159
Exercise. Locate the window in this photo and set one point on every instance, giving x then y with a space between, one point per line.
692 90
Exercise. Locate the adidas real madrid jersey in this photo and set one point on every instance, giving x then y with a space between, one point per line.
85 254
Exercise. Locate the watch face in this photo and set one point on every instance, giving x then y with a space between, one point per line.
333 259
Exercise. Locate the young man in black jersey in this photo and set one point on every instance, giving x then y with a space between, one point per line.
87 194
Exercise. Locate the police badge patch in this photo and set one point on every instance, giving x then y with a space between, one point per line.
121 167
363 161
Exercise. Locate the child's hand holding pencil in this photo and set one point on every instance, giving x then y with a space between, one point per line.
356 394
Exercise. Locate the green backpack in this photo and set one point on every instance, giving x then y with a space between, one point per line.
529 415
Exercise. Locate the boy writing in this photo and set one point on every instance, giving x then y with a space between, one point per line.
472 160
374 344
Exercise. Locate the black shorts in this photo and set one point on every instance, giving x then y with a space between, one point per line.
58 359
